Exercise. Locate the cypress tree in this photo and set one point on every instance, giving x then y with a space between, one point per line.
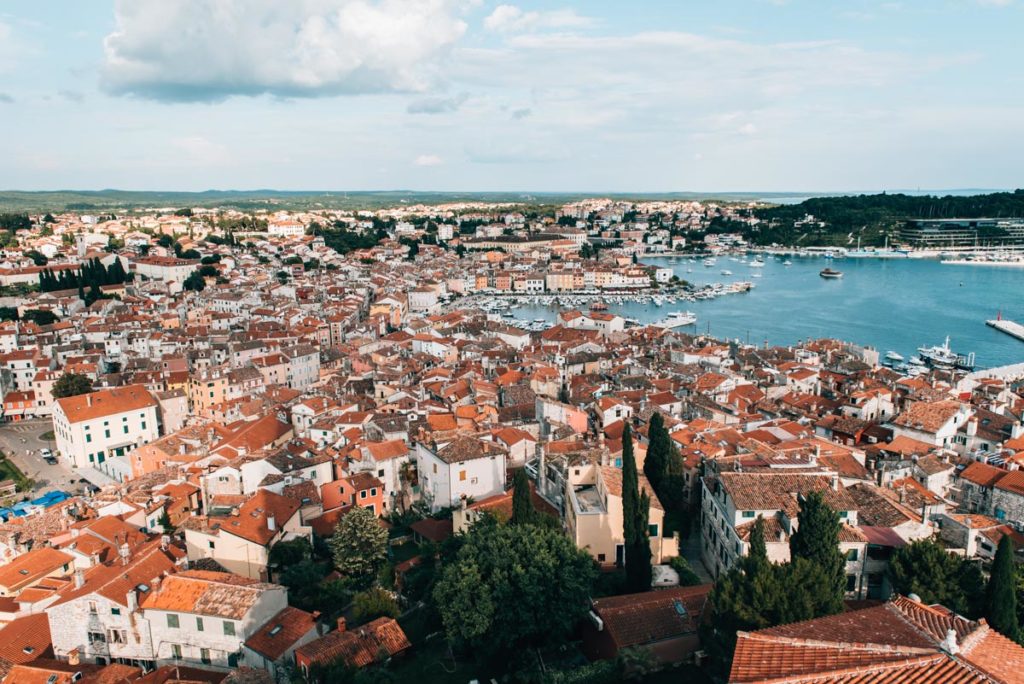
656 461
1000 594
81 292
635 508
522 504
817 540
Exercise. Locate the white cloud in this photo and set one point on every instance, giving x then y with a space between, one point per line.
509 18
201 150
748 129
427 160
212 49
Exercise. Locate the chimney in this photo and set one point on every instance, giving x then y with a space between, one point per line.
88 400
132 600
972 427
949 644
341 624
79 579
126 553
271 523
156 583
73 657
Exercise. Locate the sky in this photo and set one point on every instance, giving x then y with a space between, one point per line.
464 95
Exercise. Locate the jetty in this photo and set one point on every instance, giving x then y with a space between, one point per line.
1011 328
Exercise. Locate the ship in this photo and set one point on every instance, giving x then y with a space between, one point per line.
893 356
830 274
677 319
942 356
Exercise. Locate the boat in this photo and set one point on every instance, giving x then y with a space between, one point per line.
677 319
757 263
943 356
726 272
709 262
830 274
893 356
598 306
787 262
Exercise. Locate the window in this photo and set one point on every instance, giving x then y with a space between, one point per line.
88 438
852 555
653 530
851 583
126 428
106 434
435 469
97 638
462 476
117 636
92 607
380 473
748 514
600 558
229 628
143 426
204 655
172 621
176 651
362 494
199 624
212 545
115 611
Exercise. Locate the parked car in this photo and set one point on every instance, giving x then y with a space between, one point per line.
48 456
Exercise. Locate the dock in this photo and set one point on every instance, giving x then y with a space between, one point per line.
1011 328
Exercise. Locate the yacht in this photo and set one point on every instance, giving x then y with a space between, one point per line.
726 272
787 262
830 274
709 262
677 319
893 356
757 263
942 355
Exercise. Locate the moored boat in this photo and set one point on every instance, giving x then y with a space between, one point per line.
830 274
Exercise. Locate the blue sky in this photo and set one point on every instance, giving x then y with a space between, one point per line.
758 95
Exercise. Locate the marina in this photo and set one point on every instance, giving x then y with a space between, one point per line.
889 304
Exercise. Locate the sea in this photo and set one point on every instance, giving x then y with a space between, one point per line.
888 304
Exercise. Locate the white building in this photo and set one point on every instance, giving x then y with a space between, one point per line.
463 467
90 428
303 366
200 618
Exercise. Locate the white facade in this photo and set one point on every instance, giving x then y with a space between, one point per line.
446 483
92 441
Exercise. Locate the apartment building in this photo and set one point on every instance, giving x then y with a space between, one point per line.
91 428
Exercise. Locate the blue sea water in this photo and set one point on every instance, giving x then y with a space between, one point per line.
888 304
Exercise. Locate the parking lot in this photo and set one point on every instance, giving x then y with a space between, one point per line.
22 443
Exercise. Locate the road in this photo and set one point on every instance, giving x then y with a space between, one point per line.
22 444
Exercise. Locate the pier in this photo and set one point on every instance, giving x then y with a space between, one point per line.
1011 328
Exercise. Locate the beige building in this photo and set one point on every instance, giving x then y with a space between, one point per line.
593 514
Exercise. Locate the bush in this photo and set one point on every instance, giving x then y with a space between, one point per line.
687 577
374 603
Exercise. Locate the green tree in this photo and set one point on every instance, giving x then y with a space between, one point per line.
70 385
925 568
165 522
635 511
373 603
817 540
37 257
164 240
1001 592
512 587
359 545
195 282
39 316
9 313
656 460
523 512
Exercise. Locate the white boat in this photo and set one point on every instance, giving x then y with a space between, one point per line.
709 262
726 272
893 356
914 361
942 355
677 319
756 275
787 262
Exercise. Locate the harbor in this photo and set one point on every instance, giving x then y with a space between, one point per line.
889 304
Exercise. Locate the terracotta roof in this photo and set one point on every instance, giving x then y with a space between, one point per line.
900 641
106 402
218 594
359 646
252 521
638 619
31 567
280 633
612 477
982 474
25 639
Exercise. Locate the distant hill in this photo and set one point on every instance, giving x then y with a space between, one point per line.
99 200
871 217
